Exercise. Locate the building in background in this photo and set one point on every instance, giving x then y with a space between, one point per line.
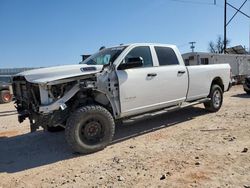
240 63
236 50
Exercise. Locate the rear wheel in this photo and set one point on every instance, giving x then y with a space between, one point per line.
5 96
216 96
90 129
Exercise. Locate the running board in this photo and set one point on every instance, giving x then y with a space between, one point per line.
165 110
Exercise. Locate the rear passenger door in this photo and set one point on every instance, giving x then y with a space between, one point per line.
172 77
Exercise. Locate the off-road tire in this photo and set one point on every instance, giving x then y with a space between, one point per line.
80 126
216 96
5 96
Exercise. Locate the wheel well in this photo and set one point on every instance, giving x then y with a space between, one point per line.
218 81
92 97
102 99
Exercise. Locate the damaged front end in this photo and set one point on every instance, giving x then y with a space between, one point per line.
48 96
44 105
50 104
27 97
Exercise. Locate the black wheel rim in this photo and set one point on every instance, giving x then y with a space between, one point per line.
91 131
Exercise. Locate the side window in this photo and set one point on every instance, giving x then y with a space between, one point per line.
166 56
204 61
141 51
187 62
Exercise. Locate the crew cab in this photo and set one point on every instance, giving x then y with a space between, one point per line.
114 84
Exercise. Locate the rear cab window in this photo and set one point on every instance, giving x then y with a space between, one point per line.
166 56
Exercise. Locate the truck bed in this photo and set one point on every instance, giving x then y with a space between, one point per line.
201 76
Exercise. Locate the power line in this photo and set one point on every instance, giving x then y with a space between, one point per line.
238 10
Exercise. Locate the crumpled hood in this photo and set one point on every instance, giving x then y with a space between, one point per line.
45 75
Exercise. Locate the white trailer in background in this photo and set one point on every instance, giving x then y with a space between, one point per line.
240 63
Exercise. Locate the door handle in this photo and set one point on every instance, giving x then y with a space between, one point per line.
181 72
151 74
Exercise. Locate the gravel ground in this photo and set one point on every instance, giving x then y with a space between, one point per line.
188 148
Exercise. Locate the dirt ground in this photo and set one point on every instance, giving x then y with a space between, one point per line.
187 148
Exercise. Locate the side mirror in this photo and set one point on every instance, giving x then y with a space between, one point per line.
132 62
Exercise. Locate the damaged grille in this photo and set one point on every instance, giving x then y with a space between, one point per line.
20 88
25 93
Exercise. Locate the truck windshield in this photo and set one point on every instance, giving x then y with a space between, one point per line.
104 56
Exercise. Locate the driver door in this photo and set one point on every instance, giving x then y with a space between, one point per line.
137 85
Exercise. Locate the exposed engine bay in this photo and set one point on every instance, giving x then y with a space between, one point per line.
50 105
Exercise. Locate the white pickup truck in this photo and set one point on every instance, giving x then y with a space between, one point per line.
117 83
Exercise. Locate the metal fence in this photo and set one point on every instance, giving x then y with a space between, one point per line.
13 71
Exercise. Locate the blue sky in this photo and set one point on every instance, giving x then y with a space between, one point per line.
37 33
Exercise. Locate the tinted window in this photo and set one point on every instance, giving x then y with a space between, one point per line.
204 61
142 51
187 62
166 56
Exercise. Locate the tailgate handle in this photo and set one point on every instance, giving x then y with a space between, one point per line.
181 72
152 74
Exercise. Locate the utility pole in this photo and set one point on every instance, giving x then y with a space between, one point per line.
238 10
192 46
225 27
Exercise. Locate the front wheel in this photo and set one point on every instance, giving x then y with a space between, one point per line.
216 96
89 129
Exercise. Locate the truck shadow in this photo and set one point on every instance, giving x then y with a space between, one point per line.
32 150
41 148
241 95
129 130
